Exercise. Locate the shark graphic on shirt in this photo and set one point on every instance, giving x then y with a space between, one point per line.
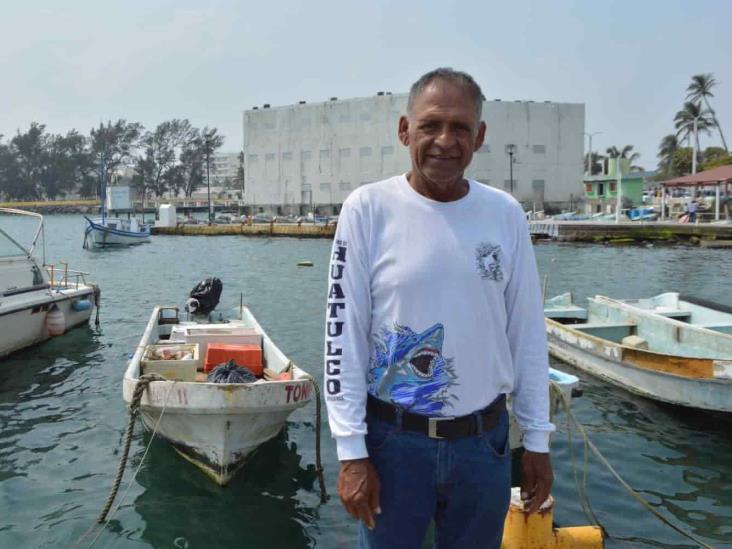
408 369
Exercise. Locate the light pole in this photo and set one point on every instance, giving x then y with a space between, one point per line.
510 149
208 177
589 154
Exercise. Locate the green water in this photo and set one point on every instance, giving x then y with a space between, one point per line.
62 417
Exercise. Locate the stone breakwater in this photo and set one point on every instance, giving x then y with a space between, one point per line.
304 230
56 206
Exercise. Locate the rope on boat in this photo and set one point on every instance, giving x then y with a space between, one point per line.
134 409
318 460
97 302
571 418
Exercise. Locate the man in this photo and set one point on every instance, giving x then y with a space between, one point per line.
434 314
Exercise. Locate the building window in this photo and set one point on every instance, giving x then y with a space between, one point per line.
510 186
344 186
306 155
588 188
601 189
364 151
269 156
365 183
324 154
325 186
286 156
613 186
539 149
387 151
253 158
485 148
344 153
365 117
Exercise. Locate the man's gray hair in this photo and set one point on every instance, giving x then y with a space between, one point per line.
448 74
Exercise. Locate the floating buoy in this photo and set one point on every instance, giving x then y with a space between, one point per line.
55 322
304 263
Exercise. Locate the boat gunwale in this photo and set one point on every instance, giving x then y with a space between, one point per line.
217 388
624 348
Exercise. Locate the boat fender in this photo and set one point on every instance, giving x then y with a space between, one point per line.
55 321
81 305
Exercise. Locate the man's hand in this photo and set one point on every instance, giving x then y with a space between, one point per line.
536 479
358 487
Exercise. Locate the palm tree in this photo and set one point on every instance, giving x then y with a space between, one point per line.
596 162
625 153
684 122
669 145
700 90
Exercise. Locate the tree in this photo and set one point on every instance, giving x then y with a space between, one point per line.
11 186
669 145
681 162
713 157
626 153
684 122
700 90
114 144
160 154
240 173
596 163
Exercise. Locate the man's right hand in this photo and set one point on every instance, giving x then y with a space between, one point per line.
359 487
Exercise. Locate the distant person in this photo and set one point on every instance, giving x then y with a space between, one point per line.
691 209
434 316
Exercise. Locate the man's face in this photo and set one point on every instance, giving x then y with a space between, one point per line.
442 133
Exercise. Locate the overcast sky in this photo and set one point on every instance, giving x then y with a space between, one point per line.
73 64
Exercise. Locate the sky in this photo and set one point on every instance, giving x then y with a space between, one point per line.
71 65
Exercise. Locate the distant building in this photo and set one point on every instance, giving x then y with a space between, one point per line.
309 157
601 191
224 169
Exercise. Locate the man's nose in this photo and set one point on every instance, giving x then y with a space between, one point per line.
445 137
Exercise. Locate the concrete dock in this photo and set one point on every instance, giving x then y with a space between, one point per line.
305 230
632 232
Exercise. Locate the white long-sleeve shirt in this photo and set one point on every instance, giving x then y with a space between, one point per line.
436 307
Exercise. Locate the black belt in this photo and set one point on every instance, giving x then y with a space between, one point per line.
439 427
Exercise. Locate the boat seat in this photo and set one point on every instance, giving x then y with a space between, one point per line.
615 331
684 316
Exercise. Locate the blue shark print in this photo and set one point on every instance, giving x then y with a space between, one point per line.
408 369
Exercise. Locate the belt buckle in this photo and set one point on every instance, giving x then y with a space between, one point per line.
432 426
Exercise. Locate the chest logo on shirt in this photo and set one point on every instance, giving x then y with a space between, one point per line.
488 261
408 369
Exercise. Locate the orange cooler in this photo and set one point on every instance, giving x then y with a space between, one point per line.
244 354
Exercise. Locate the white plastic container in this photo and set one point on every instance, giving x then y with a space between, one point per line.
181 369
166 216
203 334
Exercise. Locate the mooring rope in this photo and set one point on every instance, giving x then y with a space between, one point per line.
571 418
318 461
134 409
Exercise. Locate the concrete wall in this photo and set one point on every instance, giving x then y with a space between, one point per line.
318 153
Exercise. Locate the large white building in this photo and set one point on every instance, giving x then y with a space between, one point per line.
309 157
223 167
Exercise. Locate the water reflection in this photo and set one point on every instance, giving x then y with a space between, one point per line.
272 502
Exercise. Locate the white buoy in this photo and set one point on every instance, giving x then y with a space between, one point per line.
55 322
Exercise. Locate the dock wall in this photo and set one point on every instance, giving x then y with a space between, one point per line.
257 229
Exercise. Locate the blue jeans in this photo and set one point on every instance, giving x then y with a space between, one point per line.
464 485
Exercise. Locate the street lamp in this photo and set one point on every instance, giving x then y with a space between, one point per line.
510 149
589 154
208 176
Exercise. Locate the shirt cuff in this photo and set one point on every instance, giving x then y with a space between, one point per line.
537 441
351 447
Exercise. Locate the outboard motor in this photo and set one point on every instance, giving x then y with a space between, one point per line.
204 296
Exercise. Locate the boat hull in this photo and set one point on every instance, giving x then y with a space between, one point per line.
100 236
639 372
26 326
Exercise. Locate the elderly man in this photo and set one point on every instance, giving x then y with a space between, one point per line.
434 315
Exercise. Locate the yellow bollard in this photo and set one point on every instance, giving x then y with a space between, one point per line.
522 531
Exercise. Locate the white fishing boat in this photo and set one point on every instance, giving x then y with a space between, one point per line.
38 301
114 231
215 426
650 354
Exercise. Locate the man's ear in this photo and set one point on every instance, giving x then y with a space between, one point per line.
480 138
404 130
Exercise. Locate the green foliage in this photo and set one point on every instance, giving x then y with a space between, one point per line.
681 162
715 157
625 153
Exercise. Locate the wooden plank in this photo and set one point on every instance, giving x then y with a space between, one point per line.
696 368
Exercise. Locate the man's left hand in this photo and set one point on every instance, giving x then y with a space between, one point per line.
536 479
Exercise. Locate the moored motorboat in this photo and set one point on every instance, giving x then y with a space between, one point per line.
216 426
38 301
644 352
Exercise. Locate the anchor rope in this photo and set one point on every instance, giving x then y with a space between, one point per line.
318 461
571 418
134 409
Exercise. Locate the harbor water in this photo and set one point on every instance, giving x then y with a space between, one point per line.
62 417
